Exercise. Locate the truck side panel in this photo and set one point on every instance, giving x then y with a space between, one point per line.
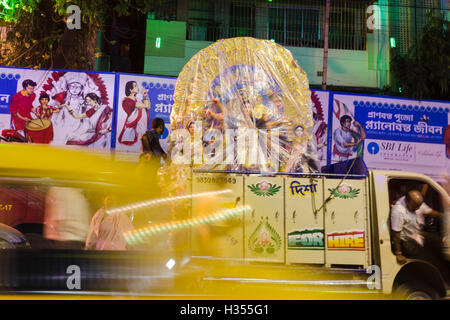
221 238
304 220
264 226
345 223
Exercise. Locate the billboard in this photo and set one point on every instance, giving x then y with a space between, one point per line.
140 99
391 133
70 108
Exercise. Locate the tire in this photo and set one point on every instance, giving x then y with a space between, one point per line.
416 291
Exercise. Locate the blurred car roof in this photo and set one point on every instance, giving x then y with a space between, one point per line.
41 161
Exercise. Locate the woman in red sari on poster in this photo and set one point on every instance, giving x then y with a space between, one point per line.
136 122
99 124
44 115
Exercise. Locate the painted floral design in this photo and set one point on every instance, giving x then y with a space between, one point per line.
264 185
264 237
264 240
264 188
344 188
344 191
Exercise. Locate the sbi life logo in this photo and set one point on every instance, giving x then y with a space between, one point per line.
373 148
165 133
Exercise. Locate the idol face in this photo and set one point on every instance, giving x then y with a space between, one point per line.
299 131
75 88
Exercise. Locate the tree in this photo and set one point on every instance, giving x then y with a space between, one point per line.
424 72
40 37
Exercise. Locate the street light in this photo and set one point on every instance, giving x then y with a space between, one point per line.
392 42
158 42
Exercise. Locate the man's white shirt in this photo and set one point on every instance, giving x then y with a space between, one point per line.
408 223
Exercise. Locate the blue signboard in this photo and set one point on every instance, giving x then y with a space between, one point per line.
402 122
8 87
161 97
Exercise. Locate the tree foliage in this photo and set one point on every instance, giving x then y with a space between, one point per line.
39 37
424 72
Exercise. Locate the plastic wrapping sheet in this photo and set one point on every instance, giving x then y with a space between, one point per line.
254 89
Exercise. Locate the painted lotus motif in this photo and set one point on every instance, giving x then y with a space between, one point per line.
264 240
264 188
344 188
264 185
344 191
264 237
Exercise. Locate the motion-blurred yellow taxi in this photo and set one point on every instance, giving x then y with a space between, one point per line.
57 231
77 222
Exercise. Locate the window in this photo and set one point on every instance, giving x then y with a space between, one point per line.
295 26
399 187
346 30
242 20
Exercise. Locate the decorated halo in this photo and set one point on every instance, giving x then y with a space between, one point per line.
245 75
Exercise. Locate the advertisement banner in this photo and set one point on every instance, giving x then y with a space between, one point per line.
140 99
70 108
391 133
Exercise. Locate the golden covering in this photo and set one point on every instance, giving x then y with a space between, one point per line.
246 83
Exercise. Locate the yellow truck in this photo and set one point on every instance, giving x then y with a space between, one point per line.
337 222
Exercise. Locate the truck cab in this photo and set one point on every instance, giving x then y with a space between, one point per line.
416 278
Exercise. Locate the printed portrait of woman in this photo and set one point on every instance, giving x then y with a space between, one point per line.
136 121
99 120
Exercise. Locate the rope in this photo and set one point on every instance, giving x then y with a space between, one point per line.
330 196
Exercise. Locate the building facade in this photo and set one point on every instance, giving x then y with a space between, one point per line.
361 34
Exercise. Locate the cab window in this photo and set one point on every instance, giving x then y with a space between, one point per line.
399 187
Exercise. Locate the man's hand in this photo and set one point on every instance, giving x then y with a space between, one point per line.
209 113
400 259
217 103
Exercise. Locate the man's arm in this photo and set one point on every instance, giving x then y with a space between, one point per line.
396 227
22 117
340 140
434 213
145 144
398 247
13 105
361 133
426 210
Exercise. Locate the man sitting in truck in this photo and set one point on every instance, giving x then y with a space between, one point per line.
407 220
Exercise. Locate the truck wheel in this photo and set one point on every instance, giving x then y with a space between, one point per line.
416 291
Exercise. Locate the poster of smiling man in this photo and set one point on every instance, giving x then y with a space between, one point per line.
140 100
58 107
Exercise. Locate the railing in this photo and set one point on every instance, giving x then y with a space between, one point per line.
289 23
302 23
